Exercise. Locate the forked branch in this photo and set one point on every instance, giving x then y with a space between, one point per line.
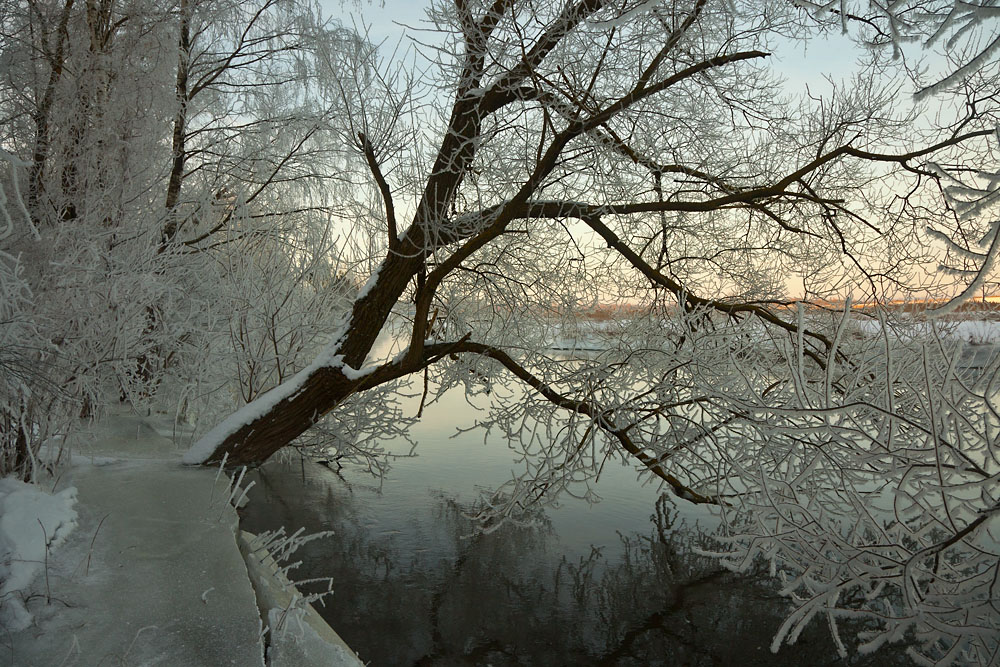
383 186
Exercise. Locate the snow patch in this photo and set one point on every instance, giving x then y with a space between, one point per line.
295 642
372 279
976 331
32 523
354 374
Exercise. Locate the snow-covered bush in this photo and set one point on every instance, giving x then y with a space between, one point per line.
171 243
30 399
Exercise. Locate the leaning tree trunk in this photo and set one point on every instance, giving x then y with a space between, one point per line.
257 440
282 421
326 387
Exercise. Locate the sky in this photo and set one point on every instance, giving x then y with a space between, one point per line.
385 18
815 65
834 55
389 20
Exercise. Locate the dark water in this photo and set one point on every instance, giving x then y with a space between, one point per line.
614 583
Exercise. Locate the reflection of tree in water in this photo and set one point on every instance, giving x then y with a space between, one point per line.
505 598
662 603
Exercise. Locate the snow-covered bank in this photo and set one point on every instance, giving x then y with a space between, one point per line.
32 523
152 574
973 331
299 636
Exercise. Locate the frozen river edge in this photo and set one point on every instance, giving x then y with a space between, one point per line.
157 571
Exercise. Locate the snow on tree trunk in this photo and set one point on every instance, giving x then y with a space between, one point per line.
276 418
273 420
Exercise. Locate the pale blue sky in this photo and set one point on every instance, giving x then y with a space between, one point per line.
833 55
383 17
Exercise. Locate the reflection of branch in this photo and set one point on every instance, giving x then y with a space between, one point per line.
437 639
478 653
657 620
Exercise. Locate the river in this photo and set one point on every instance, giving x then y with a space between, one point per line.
609 583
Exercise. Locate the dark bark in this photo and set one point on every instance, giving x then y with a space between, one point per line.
435 227
326 388
178 148
15 455
430 228
257 440
43 113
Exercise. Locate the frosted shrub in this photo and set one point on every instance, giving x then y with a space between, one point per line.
29 399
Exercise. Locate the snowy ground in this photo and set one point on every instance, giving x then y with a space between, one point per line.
33 522
976 332
143 569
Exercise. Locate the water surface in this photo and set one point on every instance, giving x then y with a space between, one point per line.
611 583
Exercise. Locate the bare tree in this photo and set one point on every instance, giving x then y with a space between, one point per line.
554 156
561 154
647 126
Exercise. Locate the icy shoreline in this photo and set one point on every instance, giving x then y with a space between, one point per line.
154 572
